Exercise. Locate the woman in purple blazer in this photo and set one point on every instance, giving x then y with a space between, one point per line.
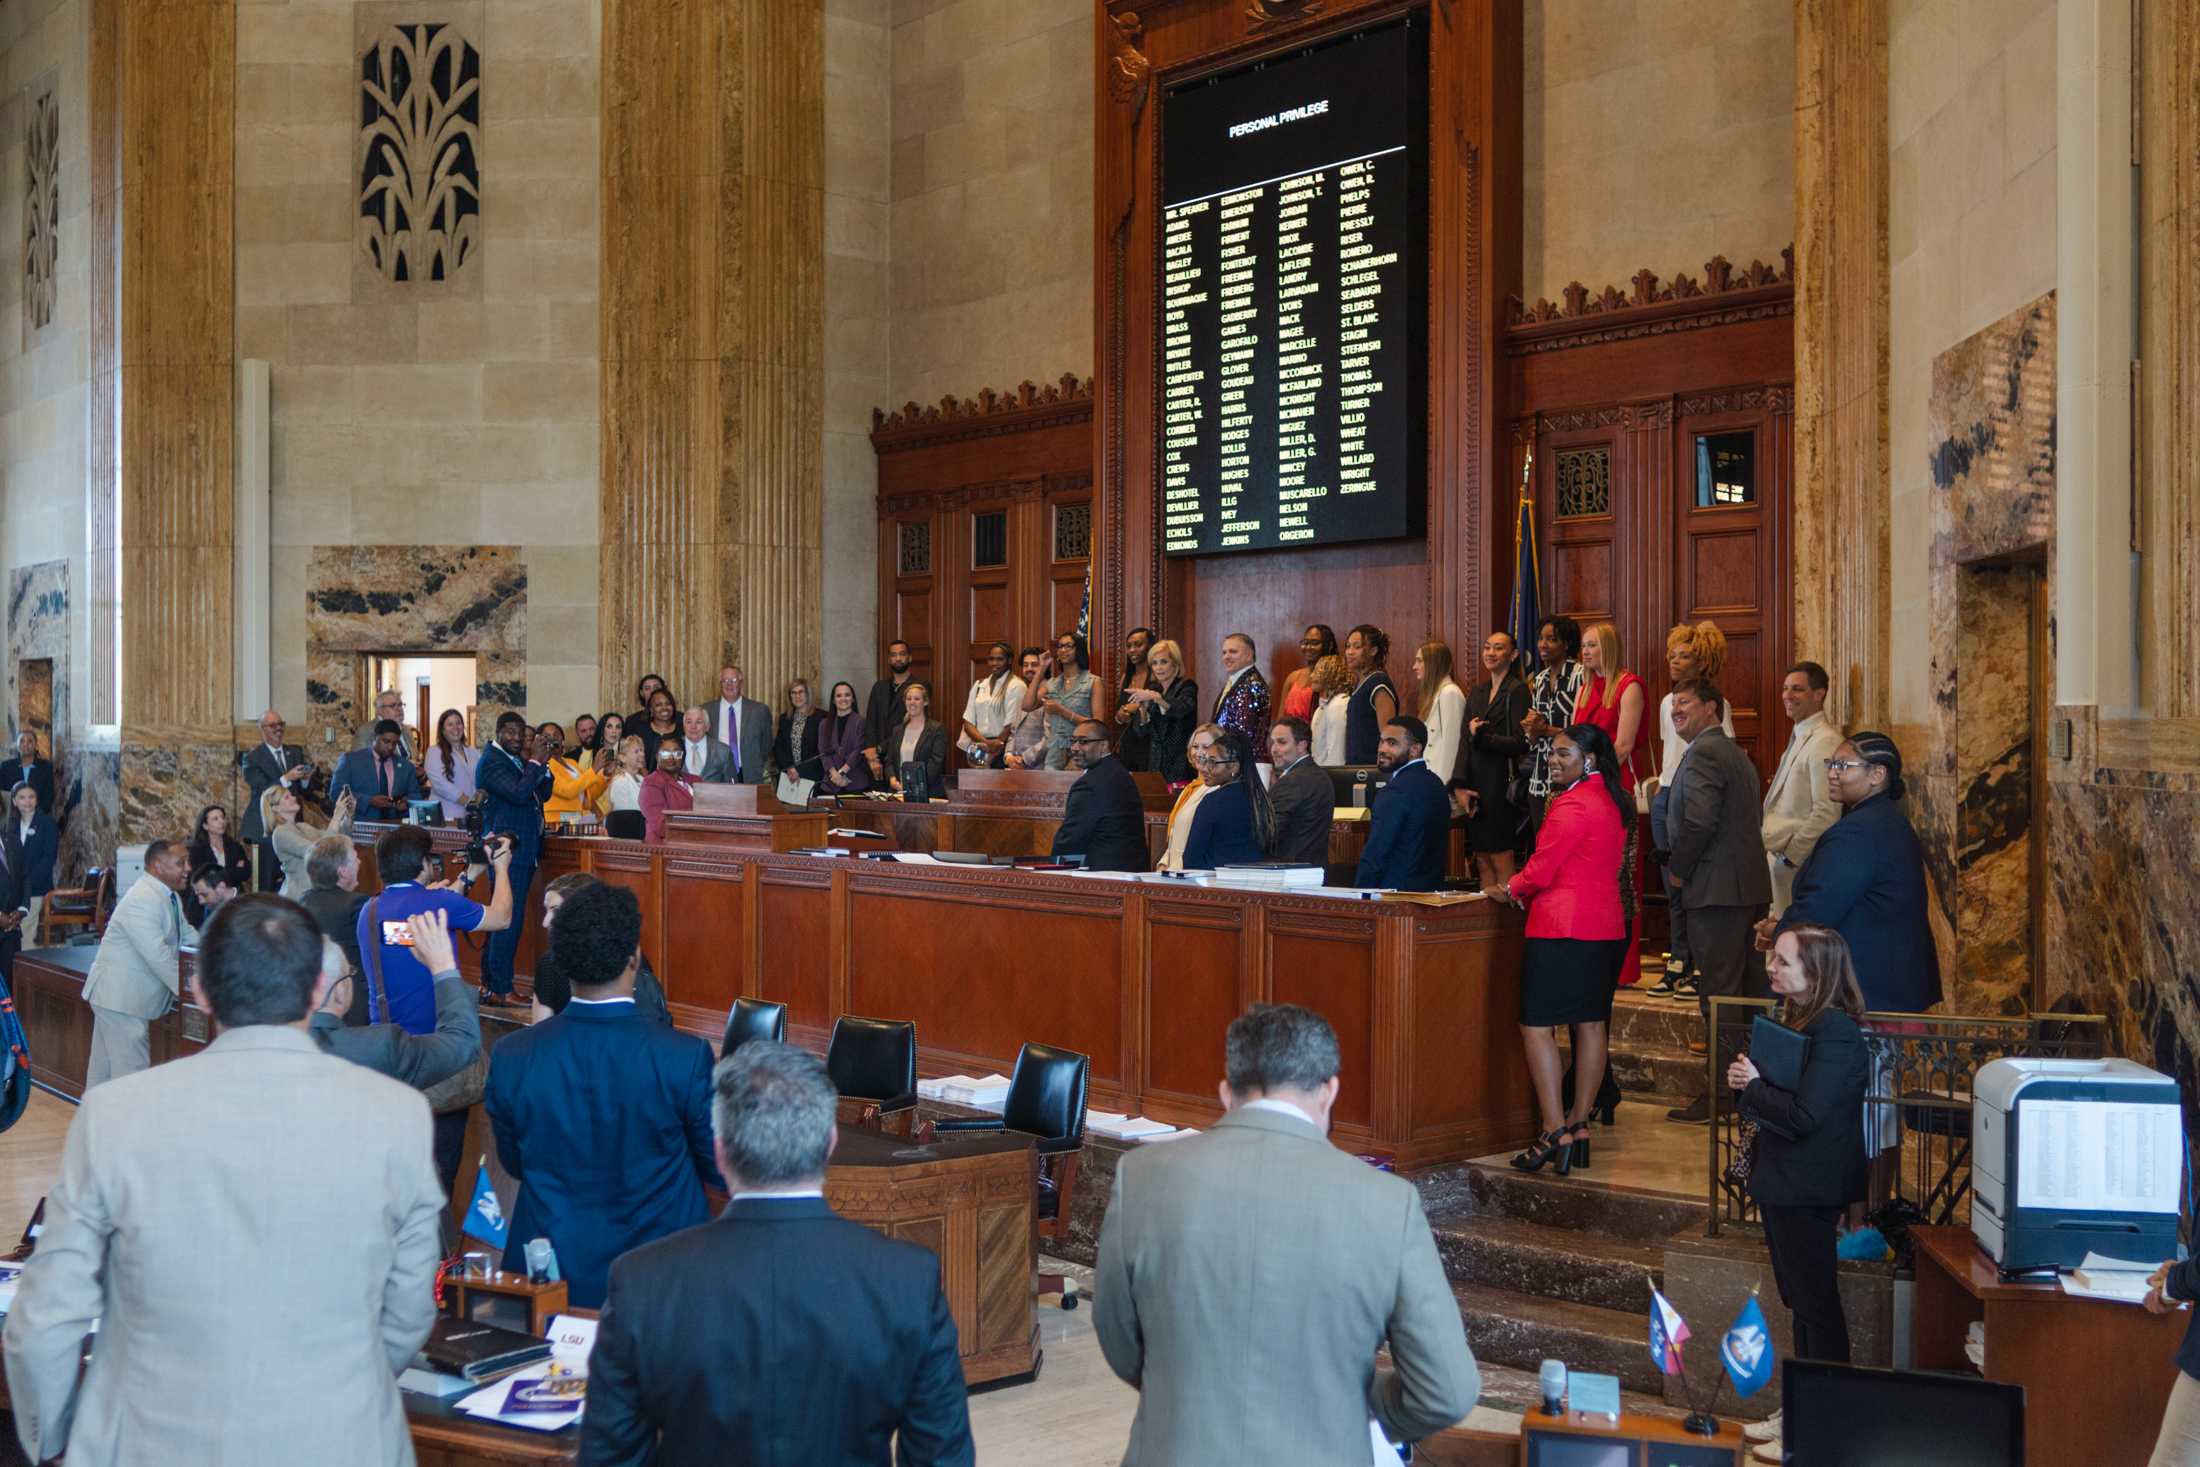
840 746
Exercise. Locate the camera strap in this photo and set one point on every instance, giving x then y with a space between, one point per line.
377 1004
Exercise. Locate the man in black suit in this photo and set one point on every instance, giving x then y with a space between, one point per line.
882 709
271 761
1708 824
782 1334
26 765
1409 830
601 1114
1103 820
1300 794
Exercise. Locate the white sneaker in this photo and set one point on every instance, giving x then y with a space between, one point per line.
1767 1430
1770 1452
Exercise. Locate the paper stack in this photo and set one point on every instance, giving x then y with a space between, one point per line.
1124 1128
2118 1280
1974 1344
546 1397
981 1092
1270 875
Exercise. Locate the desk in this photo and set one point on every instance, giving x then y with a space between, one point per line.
969 1199
1143 976
2096 1375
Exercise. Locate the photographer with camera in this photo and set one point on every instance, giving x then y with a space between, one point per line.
400 988
514 776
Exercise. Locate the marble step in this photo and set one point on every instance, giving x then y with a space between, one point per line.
1577 1204
1671 1075
1523 1330
1554 1263
1640 1021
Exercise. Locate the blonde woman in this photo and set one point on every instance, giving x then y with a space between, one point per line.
1332 695
1690 651
1167 710
291 840
1443 708
625 790
1612 699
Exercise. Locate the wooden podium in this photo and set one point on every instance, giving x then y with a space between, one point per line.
744 817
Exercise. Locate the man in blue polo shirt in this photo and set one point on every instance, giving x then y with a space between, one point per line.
400 990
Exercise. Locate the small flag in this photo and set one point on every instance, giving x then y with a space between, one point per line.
1084 607
1523 618
1746 1352
1668 1332
485 1217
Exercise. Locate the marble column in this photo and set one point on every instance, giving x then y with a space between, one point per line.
1842 597
713 314
163 90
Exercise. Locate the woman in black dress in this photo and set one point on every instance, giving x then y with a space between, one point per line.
1374 701
212 844
1495 742
1168 709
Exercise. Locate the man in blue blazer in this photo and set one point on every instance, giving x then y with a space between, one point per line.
601 1114
1409 833
514 778
380 776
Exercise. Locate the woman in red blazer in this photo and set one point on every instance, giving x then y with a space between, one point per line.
1577 936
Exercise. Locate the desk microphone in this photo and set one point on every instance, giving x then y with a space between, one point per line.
1553 1376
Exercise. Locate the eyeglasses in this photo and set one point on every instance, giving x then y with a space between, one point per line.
1843 766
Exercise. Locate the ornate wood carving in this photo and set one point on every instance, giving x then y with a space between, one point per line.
954 419
1263 13
1130 74
41 208
1648 307
420 153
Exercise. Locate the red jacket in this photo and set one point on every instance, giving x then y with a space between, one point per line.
662 792
1571 885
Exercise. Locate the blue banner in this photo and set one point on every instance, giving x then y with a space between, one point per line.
485 1217
1746 1352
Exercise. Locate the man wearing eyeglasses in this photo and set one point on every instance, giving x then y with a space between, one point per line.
271 761
1104 822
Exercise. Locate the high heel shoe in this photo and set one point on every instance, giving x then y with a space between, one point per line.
1579 1148
1549 1149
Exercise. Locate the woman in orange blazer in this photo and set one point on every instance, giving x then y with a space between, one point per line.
1577 935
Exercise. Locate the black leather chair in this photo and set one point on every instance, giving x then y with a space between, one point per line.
753 1018
626 825
1046 1101
873 1064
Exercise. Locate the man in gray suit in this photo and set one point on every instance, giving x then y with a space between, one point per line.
743 725
1301 794
1708 823
133 977
253 1228
702 756
419 1060
271 761
1247 1277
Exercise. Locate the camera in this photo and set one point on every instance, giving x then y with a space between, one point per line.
476 820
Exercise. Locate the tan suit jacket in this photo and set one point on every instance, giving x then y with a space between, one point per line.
255 1228
134 971
1246 1279
1798 807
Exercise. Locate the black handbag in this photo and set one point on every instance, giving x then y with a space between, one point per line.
916 783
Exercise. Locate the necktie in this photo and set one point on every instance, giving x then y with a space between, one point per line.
385 774
733 737
175 916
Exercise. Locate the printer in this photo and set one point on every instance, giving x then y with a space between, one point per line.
2070 1157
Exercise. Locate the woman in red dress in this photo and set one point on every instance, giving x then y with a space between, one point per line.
1614 701
1298 688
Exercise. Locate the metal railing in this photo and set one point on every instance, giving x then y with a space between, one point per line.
1917 1107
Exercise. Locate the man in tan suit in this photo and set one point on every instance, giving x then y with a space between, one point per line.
253 1228
133 977
1799 806
1248 1276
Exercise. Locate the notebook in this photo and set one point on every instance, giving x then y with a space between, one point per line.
1778 1052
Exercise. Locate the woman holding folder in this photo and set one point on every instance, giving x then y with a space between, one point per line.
1807 1100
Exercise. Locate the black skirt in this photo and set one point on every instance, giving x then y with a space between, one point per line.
1566 980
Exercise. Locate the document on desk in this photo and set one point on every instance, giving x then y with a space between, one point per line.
545 1397
2098 1156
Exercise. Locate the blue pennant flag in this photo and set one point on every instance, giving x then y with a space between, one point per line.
1746 1352
1527 572
485 1217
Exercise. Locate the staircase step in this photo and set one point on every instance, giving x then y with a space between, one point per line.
1522 1331
1669 1074
1641 1021
1573 1204
1556 1263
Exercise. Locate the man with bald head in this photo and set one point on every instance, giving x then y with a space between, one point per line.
1103 819
743 725
271 761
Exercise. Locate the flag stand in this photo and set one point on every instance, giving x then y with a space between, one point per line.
1700 1420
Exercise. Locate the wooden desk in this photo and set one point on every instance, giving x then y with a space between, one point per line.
745 817
970 1199
1142 976
2096 1375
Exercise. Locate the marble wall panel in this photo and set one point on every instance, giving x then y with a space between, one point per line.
427 598
38 627
1991 429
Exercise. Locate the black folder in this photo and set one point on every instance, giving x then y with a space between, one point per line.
1778 1052
478 1351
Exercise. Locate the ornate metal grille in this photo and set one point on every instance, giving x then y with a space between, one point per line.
989 539
41 208
1584 482
420 166
1073 532
915 558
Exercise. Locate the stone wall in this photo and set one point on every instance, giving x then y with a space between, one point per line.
453 412
1656 134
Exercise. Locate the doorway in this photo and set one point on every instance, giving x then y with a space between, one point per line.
34 700
432 684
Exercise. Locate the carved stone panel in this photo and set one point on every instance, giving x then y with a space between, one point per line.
419 154
41 205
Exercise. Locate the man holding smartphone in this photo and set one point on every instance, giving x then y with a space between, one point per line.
400 988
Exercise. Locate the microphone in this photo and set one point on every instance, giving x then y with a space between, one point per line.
1553 1376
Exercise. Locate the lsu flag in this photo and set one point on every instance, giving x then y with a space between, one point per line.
1668 1332
485 1217
1746 1352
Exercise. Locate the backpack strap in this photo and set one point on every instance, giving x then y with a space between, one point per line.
378 1008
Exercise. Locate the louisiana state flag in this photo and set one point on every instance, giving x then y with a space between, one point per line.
1746 1352
485 1217
1668 1332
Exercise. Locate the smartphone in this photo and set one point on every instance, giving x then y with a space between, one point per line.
397 934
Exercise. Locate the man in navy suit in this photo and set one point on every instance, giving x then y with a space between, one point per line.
26 765
1409 833
601 1114
380 776
514 777
1103 819
781 1334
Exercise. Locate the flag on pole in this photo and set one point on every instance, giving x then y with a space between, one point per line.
1527 571
1746 1352
485 1217
1668 1332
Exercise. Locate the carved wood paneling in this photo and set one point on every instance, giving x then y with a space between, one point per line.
713 317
